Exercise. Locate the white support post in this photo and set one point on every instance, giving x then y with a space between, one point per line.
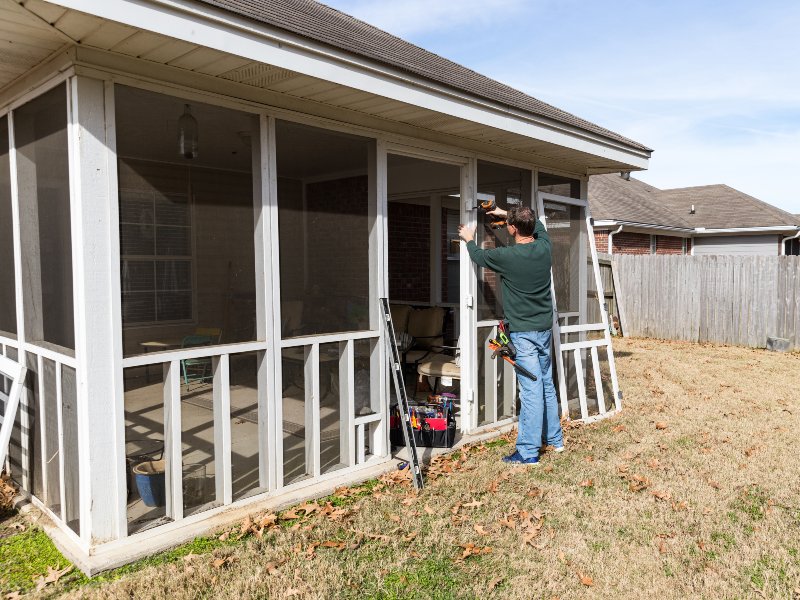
347 450
100 422
312 410
261 246
116 303
467 317
222 429
270 372
379 288
172 440
24 402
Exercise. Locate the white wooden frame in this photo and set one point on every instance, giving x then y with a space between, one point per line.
579 348
15 372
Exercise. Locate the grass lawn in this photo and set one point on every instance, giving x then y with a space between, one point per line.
692 492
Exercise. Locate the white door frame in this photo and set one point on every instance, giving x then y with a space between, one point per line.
579 348
467 278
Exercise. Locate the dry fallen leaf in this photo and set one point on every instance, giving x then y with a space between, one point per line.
535 493
223 562
587 483
714 484
585 579
661 425
471 549
473 504
548 469
429 510
662 547
494 583
481 530
653 463
659 495
618 428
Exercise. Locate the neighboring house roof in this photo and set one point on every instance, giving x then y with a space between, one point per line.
722 207
615 199
329 26
612 198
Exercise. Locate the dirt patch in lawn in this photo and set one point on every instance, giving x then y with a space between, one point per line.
691 492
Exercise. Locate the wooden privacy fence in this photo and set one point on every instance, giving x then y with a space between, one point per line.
738 300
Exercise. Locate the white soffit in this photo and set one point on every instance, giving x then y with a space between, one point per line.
204 40
25 42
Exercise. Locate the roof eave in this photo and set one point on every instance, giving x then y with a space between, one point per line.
618 222
212 27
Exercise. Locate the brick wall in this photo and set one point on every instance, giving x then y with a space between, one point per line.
626 242
669 244
409 252
601 240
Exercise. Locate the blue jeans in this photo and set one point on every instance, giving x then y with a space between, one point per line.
538 416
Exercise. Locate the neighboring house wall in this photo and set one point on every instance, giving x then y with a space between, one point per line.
740 245
668 244
626 242
640 243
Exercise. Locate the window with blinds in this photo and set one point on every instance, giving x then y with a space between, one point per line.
156 245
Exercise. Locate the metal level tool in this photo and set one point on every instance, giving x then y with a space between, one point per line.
402 398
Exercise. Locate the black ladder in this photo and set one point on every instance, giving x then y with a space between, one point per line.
402 398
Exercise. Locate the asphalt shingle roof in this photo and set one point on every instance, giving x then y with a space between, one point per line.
327 25
722 207
613 198
716 206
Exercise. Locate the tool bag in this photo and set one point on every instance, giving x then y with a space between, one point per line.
433 422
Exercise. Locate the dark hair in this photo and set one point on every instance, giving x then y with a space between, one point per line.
523 219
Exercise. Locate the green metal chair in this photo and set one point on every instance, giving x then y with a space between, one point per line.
196 370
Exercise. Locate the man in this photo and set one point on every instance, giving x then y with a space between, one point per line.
524 270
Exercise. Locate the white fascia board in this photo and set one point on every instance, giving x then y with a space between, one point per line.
700 231
614 223
226 32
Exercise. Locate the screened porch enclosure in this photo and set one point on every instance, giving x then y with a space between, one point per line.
195 296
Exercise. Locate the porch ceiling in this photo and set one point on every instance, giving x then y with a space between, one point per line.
32 30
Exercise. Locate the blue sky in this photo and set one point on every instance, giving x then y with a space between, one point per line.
713 87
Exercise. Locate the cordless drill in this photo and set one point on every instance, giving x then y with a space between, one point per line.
497 222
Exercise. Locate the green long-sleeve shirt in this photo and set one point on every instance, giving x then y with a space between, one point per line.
524 271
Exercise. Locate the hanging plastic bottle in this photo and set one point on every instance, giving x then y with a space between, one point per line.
187 134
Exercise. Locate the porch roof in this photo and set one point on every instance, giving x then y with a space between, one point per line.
312 58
